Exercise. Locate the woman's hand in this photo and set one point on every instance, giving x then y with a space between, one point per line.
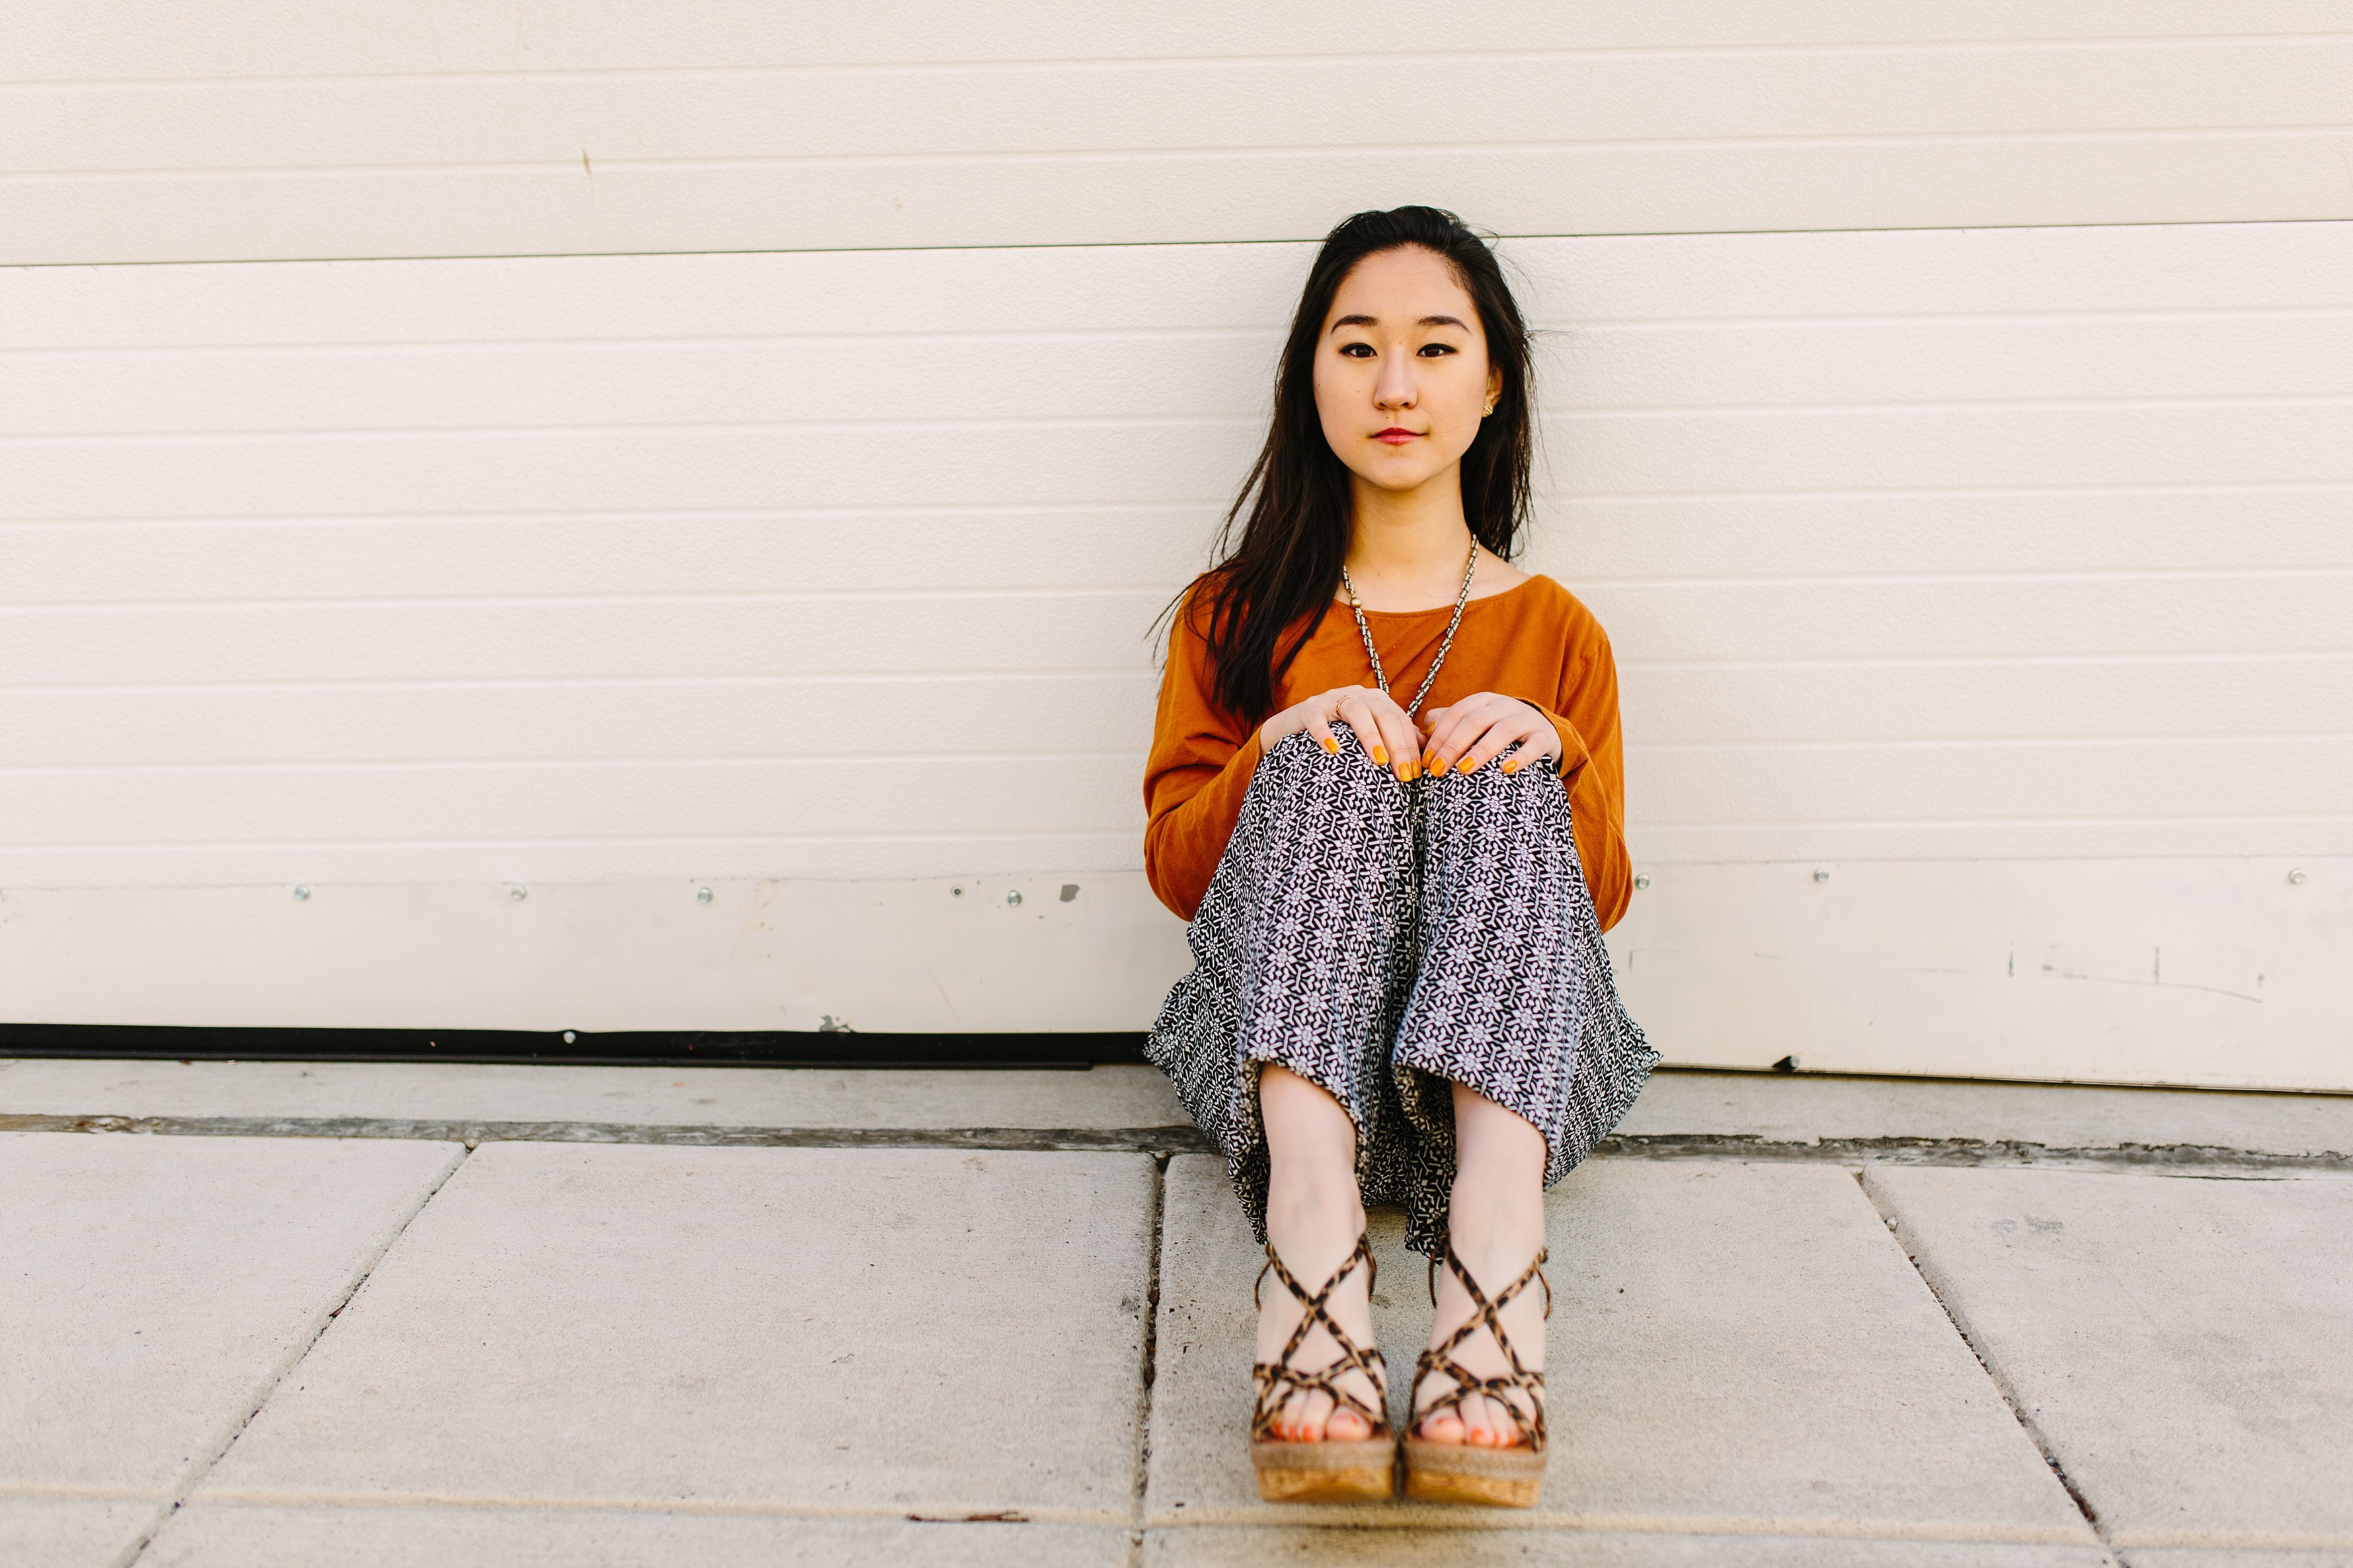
1473 732
1382 728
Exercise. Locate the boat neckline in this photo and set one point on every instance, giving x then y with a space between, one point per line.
1530 580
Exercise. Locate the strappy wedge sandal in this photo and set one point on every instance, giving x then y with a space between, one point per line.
1359 1471
1463 1472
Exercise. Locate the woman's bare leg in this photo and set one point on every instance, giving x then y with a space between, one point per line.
1314 1215
1496 1219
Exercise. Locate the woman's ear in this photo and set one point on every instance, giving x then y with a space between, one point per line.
1494 385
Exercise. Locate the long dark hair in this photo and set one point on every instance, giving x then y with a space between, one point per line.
1285 567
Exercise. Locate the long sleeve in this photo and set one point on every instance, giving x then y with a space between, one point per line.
1200 767
1594 766
1535 643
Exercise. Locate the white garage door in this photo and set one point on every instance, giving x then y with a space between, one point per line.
1983 595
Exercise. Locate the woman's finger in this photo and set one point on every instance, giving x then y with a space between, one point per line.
1319 725
1541 744
1479 748
1441 728
1465 721
1506 730
1359 715
1402 745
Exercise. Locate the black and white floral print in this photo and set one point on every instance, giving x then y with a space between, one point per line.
1387 940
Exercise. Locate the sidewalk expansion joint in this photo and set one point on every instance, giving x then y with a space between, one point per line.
1164 1142
193 1475
1150 1369
2033 1430
2143 1159
1159 1141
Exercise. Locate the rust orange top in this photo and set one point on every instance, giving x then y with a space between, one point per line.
1533 641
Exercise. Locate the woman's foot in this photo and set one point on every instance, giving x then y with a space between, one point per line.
1497 1233
1482 1420
1315 1234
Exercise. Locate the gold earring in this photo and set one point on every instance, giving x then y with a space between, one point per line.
1484 412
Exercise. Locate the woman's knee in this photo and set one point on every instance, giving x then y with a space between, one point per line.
1492 779
1299 774
1489 810
1303 752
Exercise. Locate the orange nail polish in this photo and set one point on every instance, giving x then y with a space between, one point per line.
1333 747
1464 766
1409 773
1381 755
1511 765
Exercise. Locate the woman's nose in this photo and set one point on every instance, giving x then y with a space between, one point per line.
1395 389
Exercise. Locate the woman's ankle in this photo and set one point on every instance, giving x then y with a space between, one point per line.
1495 1225
1314 1210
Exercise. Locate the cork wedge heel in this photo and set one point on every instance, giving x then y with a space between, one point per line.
1361 1470
1509 1477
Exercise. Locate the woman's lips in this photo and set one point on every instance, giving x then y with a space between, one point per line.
1397 435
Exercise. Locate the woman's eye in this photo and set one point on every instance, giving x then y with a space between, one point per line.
1431 351
1357 351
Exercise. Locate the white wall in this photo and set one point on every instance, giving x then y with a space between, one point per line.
1914 546
2014 565
155 131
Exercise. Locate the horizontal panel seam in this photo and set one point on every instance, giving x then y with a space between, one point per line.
495 601
563 167
787 841
1302 242
1580 414
1116 63
1556 497
1270 333
245 767
2307 571
1085 507
625 682
1129 757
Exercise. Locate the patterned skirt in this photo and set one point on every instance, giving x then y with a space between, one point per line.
1387 940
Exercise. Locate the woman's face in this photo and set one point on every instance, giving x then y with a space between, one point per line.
1401 371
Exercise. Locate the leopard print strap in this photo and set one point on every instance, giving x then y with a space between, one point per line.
1277 1380
1503 1387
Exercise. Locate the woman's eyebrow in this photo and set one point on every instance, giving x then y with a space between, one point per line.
1375 321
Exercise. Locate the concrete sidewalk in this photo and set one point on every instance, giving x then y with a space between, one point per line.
360 1315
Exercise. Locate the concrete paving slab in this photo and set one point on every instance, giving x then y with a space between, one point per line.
1771 1108
153 1290
207 1535
1477 1547
852 1331
37 1532
1735 1348
2180 1345
1097 1098
2235 1557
